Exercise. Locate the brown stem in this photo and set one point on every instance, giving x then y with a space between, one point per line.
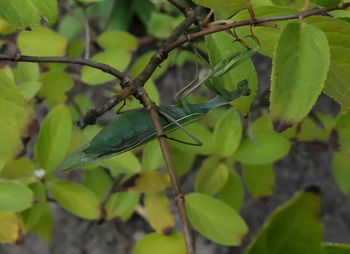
36 59
256 21
93 114
180 6
179 198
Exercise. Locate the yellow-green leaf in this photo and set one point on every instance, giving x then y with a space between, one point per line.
116 58
300 67
76 199
152 157
215 220
224 5
24 13
122 205
341 171
263 149
117 39
55 83
232 192
159 216
97 181
156 243
148 181
227 133
338 35
54 138
15 115
10 227
32 43
211 177
259 180
15 197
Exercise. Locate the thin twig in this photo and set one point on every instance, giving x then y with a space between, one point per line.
179 198
92 114
86 34
36 59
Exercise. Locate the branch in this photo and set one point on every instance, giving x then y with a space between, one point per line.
180 6
161 55
35 59
93 114
247 22
179 198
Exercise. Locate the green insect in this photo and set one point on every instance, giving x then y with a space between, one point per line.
134 128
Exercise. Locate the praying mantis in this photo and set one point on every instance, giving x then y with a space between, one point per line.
135 128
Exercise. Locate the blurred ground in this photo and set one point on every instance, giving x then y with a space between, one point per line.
307 164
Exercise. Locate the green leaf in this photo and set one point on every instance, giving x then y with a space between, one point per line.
338 35
267 36
224 5
211 177
215 220
6 29
147 181
24 13
97 181
55 84
119 59
326 3
82 104
30 89
54 138
76 199
123 163
19 170
295 227
300 67
27 72
15 197
117 40
121 205
220 46
335 248
200 132
342 128
265 148
31 43
44 226
71 26
310 130
341 171
161 25
159 216
15 116
259 180
156 243
297 4
143 60
10 227
232 192
152 157
227 133
75 48
183 161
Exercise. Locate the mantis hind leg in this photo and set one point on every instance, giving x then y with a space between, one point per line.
196 140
